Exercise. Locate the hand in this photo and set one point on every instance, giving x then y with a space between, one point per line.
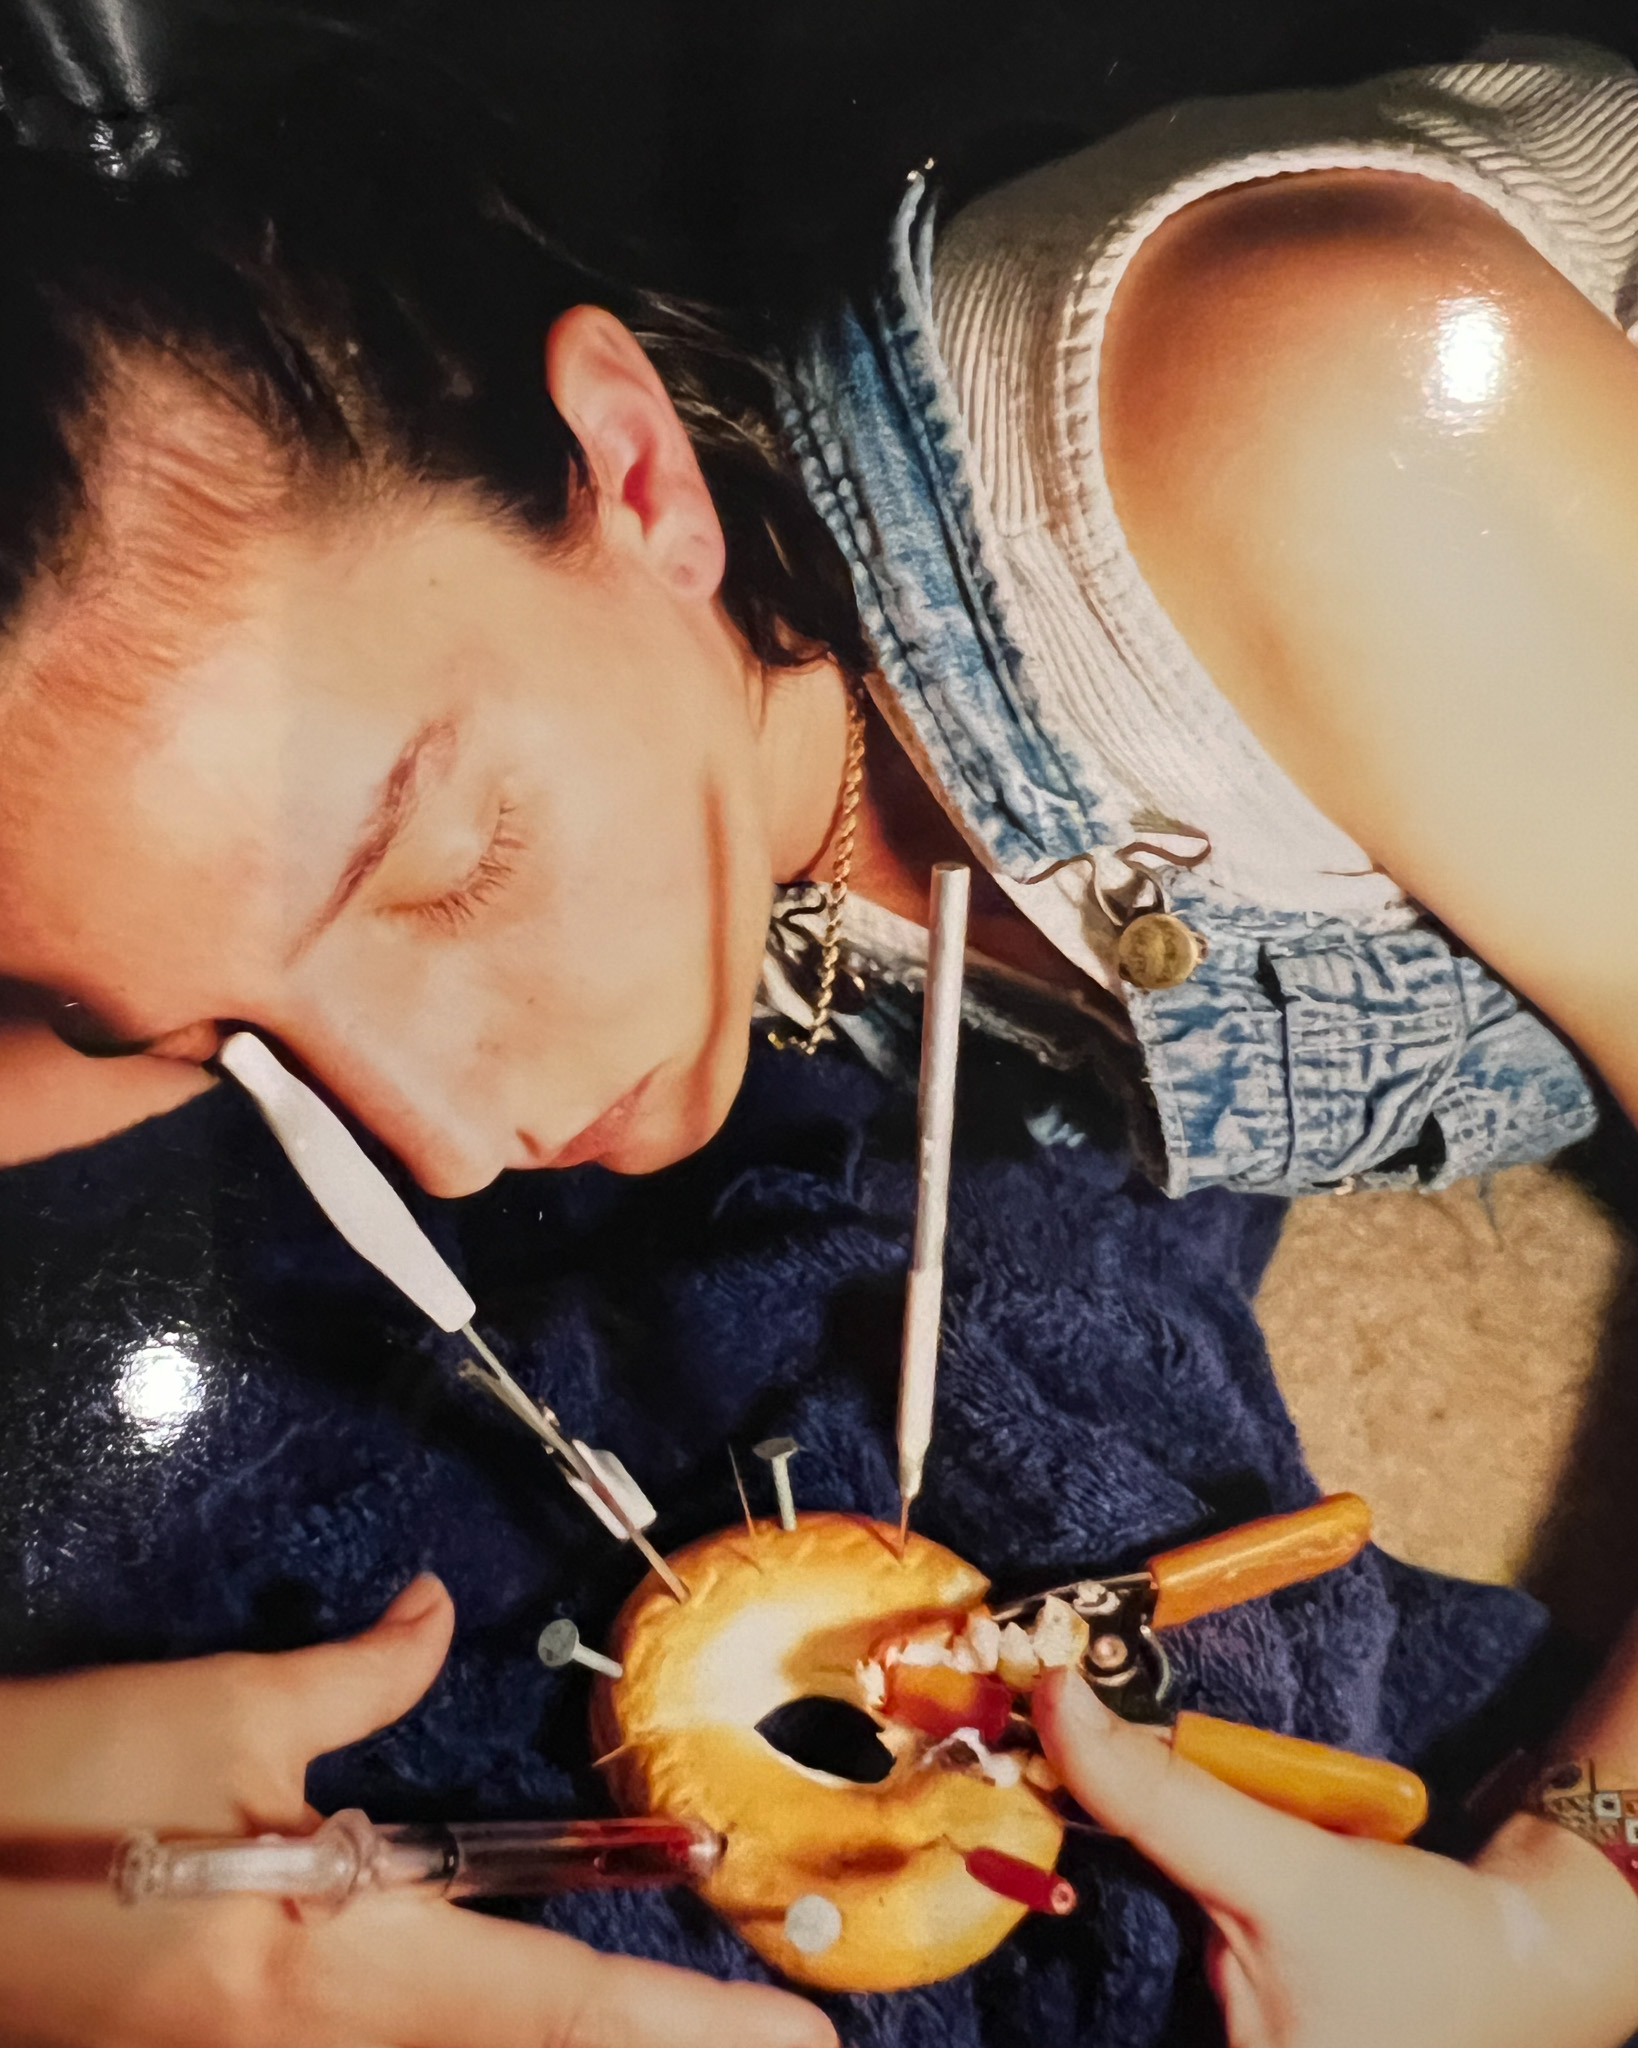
220 1745
1322 1941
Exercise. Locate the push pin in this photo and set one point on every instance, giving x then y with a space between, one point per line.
778 1452
559 1644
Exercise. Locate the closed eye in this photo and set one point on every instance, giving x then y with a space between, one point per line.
493 870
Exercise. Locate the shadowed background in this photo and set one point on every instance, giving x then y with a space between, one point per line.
744 150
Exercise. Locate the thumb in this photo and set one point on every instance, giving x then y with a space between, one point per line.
1225 1847
336 1693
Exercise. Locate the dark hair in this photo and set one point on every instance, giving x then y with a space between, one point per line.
365 296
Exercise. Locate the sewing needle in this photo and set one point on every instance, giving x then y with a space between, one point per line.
935 1110
750 1525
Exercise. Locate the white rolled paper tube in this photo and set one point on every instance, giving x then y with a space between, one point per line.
940 1044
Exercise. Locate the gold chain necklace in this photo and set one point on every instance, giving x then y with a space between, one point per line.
808 1042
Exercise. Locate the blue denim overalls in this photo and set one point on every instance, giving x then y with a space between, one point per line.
1305 1051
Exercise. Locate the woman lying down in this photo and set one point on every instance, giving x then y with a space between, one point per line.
438 661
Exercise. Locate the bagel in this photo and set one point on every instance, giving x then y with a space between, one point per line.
825 1612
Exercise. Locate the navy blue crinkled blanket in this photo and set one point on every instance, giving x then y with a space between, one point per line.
221 1430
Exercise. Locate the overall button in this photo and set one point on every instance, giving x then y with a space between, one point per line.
1158 951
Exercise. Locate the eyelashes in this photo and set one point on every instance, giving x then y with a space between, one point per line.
494 869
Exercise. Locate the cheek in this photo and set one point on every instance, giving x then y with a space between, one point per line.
654 865
555 986
628 935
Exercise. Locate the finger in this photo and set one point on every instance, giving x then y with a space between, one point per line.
78 1967
1216 1842
1255 2003
336 1693
432 1976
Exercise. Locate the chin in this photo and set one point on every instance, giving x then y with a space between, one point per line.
689 1119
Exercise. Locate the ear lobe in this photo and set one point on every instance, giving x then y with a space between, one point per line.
651 496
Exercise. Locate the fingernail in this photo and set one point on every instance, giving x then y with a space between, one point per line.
816 2032
821 2035
1073 1709
1084 1700
417 1600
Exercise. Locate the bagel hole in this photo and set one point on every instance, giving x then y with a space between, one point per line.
828 1735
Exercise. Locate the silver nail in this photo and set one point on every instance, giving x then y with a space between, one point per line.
778 1452
559 1644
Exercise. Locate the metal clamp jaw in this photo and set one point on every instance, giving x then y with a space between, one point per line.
1125 1665
1124 1662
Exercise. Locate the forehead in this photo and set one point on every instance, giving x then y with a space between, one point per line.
194 517
128 823
188 738
180 488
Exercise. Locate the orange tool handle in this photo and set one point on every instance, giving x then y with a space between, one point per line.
1258 1557
1352 1795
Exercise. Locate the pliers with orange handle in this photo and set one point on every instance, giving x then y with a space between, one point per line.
1126 1665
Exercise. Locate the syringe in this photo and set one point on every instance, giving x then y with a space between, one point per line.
349 1854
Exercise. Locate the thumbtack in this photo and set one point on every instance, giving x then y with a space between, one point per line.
813 1923
559 1644
778 1452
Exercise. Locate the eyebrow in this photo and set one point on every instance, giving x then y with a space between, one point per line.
391 812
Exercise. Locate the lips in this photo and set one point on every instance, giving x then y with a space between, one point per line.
602 1135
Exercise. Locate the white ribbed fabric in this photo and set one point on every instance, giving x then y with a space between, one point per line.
1022 284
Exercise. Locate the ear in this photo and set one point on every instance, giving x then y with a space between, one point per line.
651 496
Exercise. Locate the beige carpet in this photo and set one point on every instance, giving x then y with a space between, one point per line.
1468 1361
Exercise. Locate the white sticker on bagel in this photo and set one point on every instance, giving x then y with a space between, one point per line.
813 1923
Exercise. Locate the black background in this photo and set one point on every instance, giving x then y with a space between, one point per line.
741 149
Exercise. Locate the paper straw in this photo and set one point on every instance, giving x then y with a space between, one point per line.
924 1299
